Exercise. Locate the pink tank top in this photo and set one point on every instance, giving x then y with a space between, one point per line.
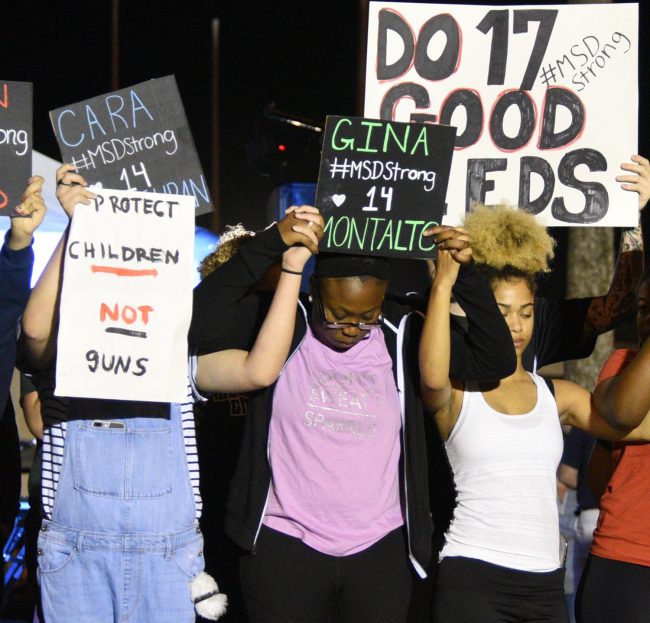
334 447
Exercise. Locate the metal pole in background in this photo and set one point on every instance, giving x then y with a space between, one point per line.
115 45
215 180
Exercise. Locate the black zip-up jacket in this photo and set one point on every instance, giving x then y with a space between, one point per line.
227 315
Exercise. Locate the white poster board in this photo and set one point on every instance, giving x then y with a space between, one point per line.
545 99
126 301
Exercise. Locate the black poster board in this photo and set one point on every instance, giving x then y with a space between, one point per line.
15 143
134 139
381 184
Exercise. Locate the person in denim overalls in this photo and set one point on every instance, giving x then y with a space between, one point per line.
120 539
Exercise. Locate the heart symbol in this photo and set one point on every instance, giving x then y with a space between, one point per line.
338 200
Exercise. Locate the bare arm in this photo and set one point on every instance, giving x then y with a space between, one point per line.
31 405
605 312
568 476
624 400
435 343
39 322
241 371
576 408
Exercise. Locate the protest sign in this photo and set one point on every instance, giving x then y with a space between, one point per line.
545 100
126 300
134 139
15 143
382 184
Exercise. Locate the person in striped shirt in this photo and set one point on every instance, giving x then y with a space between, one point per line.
120 536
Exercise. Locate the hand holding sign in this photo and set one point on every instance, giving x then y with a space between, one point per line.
71 189
28 215
638 183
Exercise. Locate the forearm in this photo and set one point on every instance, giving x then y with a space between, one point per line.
623 401
606 312
240 371
15 275
486 352
271 348
39 322
600 428
435 349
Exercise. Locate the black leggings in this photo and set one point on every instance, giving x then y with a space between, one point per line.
473 591
611 590
286 581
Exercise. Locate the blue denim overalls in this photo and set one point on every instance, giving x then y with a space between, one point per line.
123 541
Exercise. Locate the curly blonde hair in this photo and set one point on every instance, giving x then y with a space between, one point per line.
227 246
507 239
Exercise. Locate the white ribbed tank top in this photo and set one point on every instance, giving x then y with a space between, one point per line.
505 474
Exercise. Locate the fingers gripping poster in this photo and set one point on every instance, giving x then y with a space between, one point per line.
126 300
544 99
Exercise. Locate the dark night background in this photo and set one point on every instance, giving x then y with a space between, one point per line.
302 56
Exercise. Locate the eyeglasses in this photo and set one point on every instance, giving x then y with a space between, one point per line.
362 326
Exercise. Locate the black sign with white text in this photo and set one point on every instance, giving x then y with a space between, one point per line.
134 139
15 143
382 184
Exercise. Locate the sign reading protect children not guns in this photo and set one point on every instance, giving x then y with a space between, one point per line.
382 185
545 99
15 143
126 299
134 139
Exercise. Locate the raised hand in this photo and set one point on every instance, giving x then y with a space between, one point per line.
306 232
302 225
640 181
454 240
28 215
71 189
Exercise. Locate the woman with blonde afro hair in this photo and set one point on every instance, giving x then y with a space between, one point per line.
509 243
501 560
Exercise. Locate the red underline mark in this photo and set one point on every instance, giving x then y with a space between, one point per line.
125 272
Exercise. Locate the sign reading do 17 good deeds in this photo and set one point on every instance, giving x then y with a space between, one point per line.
544 99
126 300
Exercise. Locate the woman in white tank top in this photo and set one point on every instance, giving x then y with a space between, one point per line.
501 558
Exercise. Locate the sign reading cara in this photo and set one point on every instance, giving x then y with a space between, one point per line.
135 139
15 143
126 300
382 184
544 98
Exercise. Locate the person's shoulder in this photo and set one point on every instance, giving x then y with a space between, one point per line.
616 363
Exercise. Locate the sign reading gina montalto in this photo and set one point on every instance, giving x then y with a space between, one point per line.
382 184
